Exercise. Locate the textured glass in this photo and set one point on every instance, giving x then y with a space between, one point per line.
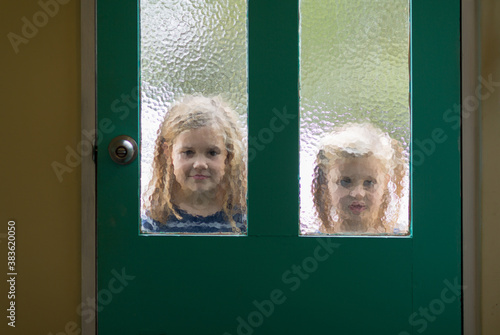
189 47
353 69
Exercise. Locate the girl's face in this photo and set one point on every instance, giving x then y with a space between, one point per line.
198 157
357 187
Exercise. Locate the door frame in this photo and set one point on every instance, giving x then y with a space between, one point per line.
471 250
88 182
471 245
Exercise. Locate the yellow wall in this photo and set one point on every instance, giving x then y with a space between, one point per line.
40 116
40 119
490 65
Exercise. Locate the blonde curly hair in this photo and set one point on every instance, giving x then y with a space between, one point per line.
351 141
193 112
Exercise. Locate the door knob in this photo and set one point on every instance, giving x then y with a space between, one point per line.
123 149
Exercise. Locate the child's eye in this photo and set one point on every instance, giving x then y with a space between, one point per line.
188 152
369 183
213 153
345 182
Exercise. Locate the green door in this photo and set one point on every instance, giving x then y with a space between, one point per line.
274 281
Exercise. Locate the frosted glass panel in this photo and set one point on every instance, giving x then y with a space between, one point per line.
193 111
355 117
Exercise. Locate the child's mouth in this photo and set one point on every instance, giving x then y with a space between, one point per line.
357 208
200 177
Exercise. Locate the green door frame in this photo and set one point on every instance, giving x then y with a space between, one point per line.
88 122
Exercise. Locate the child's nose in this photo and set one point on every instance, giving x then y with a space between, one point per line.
358 192
200 163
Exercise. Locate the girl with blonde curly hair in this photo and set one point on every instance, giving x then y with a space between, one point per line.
358 181
199 171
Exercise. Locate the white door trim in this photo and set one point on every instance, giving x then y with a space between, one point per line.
88 110
471 246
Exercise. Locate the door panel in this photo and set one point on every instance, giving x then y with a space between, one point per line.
273 281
